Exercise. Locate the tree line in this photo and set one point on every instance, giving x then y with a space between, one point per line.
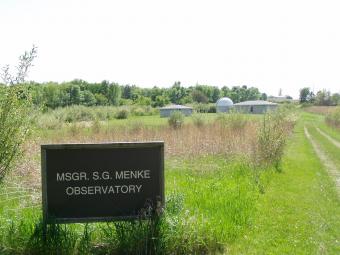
79 92
322 97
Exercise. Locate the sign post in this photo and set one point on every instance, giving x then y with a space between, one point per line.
100 182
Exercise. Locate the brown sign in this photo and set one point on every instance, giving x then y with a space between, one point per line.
101 182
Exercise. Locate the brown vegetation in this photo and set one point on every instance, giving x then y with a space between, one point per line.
231 136
324 110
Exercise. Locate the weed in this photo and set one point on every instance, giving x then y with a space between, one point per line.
176 120
96 126
271 139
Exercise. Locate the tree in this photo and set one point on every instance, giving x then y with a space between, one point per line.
335 99
101 99
199 97
263 96
161 101
176 92
88 98
25 62
323 97
306 95
75 94
114 94
15 112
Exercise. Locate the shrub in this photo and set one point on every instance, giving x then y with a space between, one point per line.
79 113
138 111
49 121
176 119
15 117
333 118
15 111
143 111
272 136
212 108
122 114
201 108
233 120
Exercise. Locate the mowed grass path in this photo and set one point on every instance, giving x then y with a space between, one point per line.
300 211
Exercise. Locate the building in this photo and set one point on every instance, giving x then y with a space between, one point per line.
256 107
224 104
167 110
280 99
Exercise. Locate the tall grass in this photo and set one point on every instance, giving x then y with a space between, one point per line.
272 137
211 191
322 110
333 118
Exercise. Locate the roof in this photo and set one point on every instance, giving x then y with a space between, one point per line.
176 106
224 101
256 102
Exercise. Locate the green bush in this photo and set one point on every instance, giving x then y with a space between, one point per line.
233 120
176 119
272 137
204 108
138 111
122 114
15 118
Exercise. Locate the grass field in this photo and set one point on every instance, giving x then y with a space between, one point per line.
300 211
222 196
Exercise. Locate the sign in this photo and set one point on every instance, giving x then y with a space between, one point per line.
100 182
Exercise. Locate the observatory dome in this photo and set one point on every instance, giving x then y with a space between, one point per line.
224 104
224 101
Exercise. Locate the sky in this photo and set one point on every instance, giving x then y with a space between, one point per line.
268 44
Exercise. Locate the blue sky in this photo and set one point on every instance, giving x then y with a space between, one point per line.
266 44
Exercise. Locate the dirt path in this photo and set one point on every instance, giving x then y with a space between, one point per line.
332 140
328 163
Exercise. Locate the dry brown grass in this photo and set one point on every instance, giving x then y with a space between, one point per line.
324 110
216 138
190 140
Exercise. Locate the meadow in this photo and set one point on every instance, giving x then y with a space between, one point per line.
231 183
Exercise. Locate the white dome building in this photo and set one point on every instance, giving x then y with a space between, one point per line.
224 104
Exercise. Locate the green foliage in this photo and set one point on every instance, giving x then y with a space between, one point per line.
114 94
233 120
15 116
272 137
239 94
199 97
79 92
101 99
323 97
122 114
176 119
306 95
15 111
204 108
88 98
300 200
